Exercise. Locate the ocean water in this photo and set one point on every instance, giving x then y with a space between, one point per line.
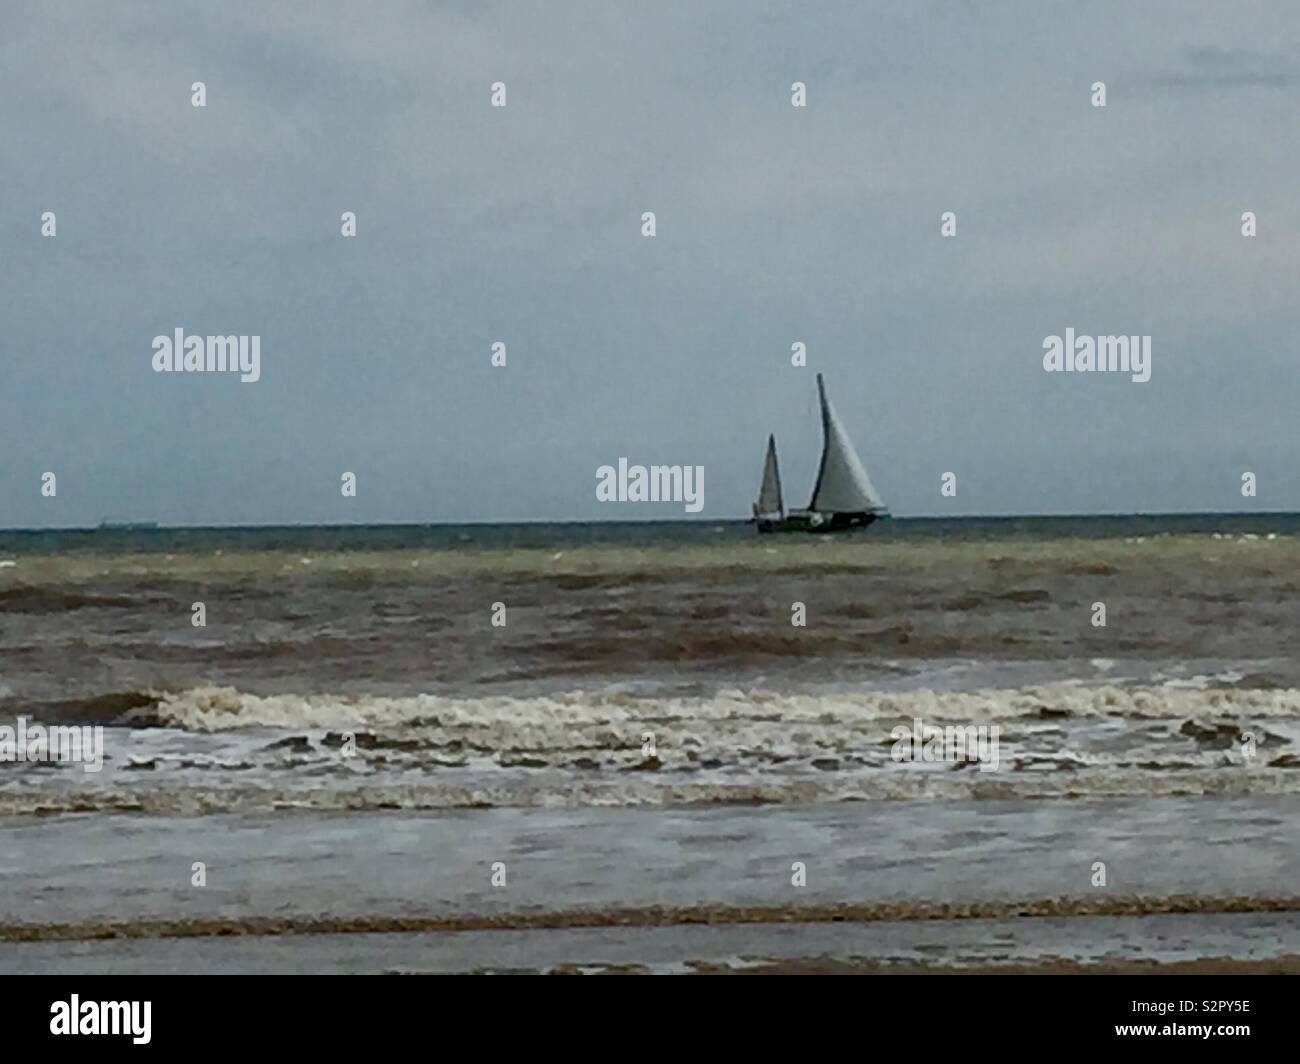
652 664
654 670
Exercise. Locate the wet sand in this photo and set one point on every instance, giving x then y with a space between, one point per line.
1241 944
296 864
1221 966
892 885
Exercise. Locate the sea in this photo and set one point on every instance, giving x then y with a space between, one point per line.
653 746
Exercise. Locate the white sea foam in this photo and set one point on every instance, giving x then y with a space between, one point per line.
225 750
190 797
225 708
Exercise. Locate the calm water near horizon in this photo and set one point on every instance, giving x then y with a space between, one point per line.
542 534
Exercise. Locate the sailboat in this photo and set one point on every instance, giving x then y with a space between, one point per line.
843 496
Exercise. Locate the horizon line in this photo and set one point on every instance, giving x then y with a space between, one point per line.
124 526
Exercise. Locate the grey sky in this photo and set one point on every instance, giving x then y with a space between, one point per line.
522 224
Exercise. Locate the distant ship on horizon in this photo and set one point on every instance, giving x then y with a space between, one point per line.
126 526
843 497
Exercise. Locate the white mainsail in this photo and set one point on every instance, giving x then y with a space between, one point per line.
769 495
842 484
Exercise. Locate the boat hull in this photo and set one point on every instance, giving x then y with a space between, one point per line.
816 523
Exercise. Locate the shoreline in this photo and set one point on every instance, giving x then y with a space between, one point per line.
1239 944
655 917
987 858
1287 965
904 886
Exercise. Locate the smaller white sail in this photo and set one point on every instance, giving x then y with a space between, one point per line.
842 484
769 495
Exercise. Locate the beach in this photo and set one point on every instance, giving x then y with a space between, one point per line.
648 767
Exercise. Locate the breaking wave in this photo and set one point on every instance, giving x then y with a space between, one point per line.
217 749
225 708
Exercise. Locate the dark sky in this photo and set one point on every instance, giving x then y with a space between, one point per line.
522 224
